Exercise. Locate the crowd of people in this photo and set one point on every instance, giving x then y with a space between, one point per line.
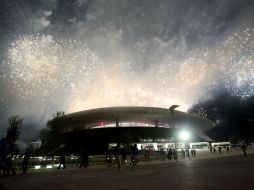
7 149
6 164
213 149
172 153
119 156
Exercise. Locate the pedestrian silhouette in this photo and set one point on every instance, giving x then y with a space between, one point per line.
147 154
219 148
193 152
124 155
162 153
134 156
84 158
108 156
175 156
183 153
62 161
187 152
214 150
169 153
116 153
244 148
228 149
26 160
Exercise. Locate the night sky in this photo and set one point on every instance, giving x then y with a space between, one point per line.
72 55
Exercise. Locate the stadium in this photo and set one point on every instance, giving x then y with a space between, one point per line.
148 126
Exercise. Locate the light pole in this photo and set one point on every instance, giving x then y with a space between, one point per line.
172 108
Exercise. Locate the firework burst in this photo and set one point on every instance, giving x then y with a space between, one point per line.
238 68
40 64
198 110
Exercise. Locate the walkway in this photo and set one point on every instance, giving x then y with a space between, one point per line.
229 172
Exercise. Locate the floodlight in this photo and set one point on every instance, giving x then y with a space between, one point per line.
37 167
49 166
184 135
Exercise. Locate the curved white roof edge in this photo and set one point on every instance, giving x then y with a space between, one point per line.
122 113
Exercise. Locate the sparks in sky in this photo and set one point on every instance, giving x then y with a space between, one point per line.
41 66
239 66
198 110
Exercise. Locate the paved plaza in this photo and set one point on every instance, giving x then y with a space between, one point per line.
228 172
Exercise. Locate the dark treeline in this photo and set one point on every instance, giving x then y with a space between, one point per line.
233 117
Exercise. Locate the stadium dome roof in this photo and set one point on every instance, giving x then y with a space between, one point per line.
133 117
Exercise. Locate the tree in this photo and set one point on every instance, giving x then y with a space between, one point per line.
230 115
7 145
50 136
13 131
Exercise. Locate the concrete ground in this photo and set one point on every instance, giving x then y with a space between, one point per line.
212 172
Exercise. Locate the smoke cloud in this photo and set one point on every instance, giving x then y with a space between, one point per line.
72 55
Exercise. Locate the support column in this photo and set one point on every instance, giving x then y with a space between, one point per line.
156 123
117 122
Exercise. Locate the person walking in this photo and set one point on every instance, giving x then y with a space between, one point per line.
108 156
124 155
162 153
116 153
214 150
219 149
187 152
62 161
3 157
26 160
194 152
170 153
175 156
134 156
183 153
244 148
9 164
83 158
211 149
228 149
147 154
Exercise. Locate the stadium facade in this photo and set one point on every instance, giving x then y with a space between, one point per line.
99 127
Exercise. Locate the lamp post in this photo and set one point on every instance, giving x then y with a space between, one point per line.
172 108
